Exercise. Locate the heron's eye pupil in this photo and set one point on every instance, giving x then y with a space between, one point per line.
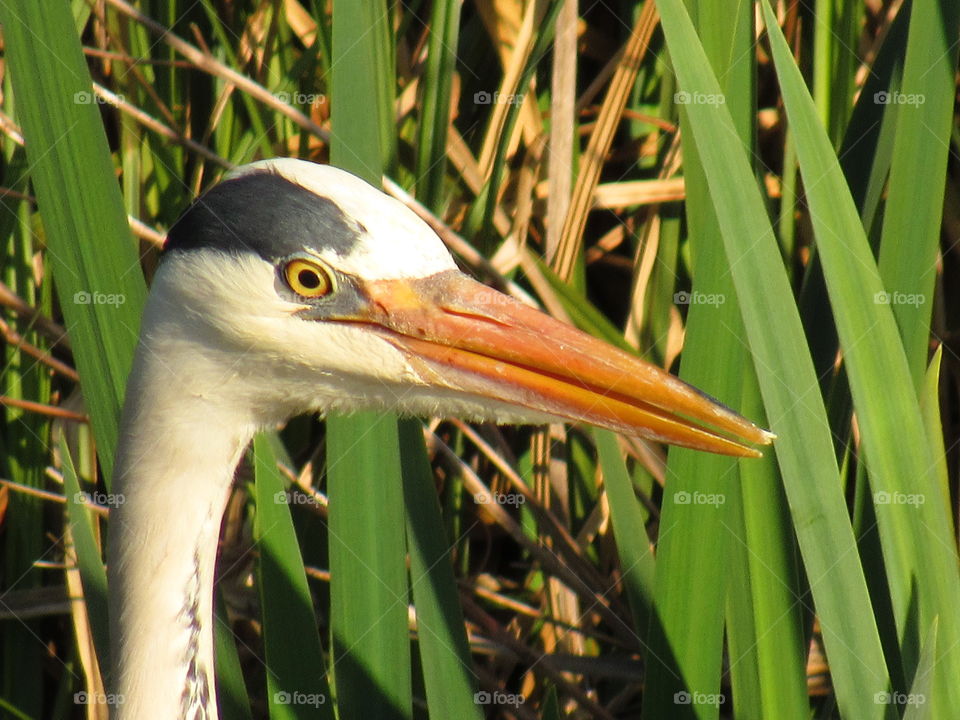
308 278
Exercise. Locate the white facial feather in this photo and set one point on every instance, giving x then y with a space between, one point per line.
397 244
248 348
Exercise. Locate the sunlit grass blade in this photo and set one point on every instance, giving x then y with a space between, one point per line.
912 217
95 264
296 675
435 97
930 407
919 555
787 382
480 218
633 546
766 637
696 519
368 578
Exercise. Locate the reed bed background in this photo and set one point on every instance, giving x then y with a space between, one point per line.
758 196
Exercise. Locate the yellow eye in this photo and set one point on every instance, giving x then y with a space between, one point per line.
307 278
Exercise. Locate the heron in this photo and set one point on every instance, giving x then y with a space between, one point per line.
292 287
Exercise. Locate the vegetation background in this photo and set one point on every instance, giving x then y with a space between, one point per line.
759 196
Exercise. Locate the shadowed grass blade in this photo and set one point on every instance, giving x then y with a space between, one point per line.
368 586
296 677
445 654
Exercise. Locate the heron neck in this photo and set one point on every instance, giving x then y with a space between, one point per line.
174 469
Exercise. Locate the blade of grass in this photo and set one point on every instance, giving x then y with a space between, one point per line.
231 690
768 647
930 407
480 218
25 438
571 239
633 546
92 572
919 553
368 587
296 682
916 701
436 91
787 382
696 519
444 651
911 221
95 264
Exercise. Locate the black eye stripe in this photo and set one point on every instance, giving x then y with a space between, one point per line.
264 213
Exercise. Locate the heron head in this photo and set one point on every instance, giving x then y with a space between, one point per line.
303 288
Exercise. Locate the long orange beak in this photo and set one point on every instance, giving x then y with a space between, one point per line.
482 342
